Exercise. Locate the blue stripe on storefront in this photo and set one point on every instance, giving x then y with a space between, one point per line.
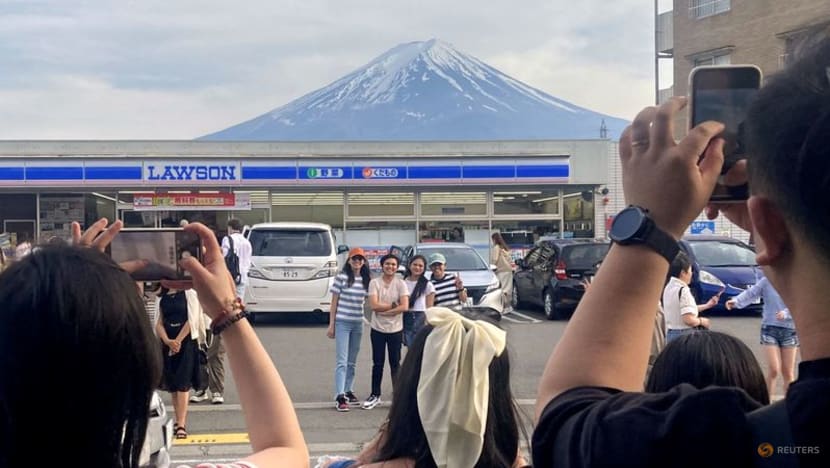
112 173
542 171
434 172
12 173
269 173
55 173
489 172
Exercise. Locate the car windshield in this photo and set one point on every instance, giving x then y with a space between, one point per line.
720 253
290 243
458 258
584 256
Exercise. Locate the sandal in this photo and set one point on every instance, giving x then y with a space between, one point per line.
180 432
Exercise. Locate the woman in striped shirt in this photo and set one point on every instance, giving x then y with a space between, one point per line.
348 296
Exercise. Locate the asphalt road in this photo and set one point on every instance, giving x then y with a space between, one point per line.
305 358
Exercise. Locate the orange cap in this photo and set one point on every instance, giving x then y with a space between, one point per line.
357 251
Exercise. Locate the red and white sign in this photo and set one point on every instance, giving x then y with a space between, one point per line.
191 201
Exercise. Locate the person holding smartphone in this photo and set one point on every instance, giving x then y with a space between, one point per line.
72 314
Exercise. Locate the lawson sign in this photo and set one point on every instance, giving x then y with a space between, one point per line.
192 171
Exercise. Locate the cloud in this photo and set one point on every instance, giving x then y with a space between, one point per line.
157 69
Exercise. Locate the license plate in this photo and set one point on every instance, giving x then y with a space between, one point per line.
289 274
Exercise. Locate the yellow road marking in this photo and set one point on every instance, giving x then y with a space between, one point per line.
207 439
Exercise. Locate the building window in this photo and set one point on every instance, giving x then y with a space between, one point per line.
702 8
723 59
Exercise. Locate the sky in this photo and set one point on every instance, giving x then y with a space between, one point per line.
161 69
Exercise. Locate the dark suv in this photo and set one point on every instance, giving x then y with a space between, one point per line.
551 274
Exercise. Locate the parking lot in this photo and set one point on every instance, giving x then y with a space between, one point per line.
305 358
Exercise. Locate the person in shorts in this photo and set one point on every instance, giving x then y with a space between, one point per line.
778 336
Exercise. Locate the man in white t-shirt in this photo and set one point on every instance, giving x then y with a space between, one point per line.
679 304
243 250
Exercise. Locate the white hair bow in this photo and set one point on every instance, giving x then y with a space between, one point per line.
454 388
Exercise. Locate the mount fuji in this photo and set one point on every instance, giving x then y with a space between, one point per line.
425 91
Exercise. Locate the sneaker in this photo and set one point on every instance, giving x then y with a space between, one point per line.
217 399
199 397
341 404
371 402
352 399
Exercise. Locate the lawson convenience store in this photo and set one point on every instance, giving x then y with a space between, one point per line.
374 194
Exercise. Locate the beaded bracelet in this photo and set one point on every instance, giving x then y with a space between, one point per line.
228 317
222 326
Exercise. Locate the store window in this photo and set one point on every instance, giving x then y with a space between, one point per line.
521 236
381 204
544 202
453 203
578 216
317 207
18 216
376 237
58 211
474 233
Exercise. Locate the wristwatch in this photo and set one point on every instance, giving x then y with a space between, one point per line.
633 226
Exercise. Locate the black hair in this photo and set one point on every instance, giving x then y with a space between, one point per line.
788 136
680 264
404 434
703 358
235 224
365 274
387 257
72 319
421 283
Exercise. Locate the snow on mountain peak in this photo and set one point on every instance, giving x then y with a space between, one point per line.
423 88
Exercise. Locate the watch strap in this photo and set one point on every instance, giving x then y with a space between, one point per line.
660 241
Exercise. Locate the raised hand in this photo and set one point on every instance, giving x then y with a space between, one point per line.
672 180
211 279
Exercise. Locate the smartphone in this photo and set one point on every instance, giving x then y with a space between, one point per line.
161 248
723 93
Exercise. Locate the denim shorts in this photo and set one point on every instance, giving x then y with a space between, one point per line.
782 337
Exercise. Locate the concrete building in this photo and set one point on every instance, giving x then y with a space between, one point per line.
374 194
711 32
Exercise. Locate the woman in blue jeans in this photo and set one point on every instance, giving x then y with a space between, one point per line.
348 296
421 296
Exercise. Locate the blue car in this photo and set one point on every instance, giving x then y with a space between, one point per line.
720 263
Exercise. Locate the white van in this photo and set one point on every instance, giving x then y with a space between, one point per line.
292 268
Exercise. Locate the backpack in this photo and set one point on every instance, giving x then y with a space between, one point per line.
232 262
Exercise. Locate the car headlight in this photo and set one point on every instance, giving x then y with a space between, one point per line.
492 286
254 273
708 278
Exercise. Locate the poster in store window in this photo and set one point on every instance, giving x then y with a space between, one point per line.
57 214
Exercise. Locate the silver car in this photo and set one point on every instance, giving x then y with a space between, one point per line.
156 449
479 277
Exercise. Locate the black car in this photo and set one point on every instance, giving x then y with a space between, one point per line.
551 274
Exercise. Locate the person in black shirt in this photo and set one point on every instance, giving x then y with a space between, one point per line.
590 410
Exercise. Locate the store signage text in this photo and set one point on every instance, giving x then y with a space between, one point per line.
324 173
380 173
191 201
192 172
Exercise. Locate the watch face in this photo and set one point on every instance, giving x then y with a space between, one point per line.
626 224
